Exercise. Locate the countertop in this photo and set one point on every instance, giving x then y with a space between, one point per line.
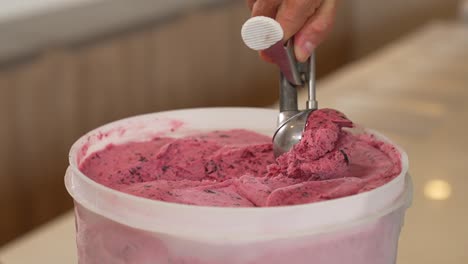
415 92
30 26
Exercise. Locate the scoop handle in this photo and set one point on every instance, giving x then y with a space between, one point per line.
283 56
311 103
287 100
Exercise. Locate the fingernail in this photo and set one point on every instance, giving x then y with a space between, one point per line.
303 52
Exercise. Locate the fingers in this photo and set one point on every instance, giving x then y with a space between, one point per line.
314 30
267 8
307 20
250 4
292 14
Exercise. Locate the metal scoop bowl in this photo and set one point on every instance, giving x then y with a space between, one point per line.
291 121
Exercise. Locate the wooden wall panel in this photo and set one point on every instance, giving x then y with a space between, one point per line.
248 74
10 188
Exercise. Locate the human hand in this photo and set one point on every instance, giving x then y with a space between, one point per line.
309 21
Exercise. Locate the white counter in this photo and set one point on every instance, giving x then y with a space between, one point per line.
12 10
29 26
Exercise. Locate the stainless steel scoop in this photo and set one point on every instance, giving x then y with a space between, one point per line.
265 34
292 121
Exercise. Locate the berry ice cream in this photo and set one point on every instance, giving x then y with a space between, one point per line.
237 168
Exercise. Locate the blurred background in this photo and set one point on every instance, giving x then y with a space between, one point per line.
69 66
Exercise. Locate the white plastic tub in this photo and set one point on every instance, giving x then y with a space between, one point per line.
114 227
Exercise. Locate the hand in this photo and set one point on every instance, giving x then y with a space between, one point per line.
308 21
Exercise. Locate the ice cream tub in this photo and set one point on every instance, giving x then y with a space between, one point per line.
115 227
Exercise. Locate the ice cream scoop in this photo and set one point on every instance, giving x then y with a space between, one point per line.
291 121
265 34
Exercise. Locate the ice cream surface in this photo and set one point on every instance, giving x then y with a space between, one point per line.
237 168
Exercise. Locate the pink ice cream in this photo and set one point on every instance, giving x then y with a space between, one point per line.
237 168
